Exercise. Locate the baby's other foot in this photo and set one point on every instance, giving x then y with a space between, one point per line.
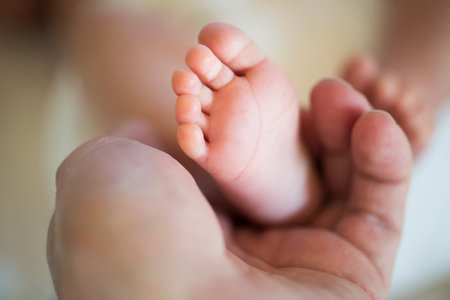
239 119
387 91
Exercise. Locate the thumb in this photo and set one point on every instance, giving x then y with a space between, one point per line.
128 219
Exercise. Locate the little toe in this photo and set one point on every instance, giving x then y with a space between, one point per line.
406 105
188 110
232 46
185 82
211 71
192 142
360 72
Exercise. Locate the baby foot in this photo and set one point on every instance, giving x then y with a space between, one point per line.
239 119
386 91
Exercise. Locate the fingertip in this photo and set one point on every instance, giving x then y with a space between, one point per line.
385 91
380 148
335 108
361 71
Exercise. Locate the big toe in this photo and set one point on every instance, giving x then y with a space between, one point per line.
231 45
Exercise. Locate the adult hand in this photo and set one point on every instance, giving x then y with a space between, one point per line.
130 222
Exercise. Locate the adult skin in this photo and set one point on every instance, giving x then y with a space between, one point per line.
130 222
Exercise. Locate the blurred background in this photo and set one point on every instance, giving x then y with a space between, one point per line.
64 66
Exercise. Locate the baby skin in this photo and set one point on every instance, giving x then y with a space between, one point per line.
238 116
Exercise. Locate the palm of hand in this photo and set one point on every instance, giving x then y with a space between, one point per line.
313 261
347 249
148 240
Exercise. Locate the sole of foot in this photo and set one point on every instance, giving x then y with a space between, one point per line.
238 117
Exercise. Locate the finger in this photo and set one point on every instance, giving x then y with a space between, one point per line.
373 218
128 220
360 72
385 90
335 107
308 132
